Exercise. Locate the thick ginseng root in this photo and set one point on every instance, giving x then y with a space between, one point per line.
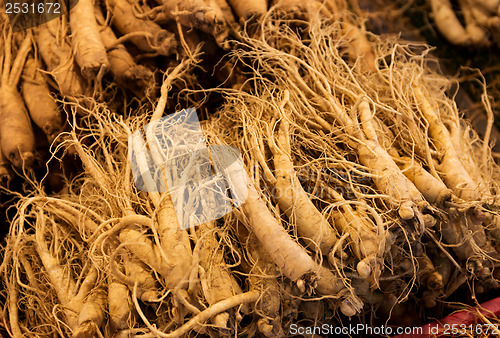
218 282
248 9
366 244
92 314
70 294
477 30
150 254
144 249
451 169
173 240
63 284
147 286
430 278
387 176
205 15
360 49
119 306
90 53
57 55
126 72
433 189
291 259
449 25
227 11
145 34
260 270
492 6
389 179
17 140
311 225
41 105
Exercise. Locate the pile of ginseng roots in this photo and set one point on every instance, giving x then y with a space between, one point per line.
364 192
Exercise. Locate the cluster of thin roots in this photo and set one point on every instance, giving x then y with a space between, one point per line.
364 190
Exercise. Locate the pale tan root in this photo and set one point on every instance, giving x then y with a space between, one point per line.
42 107
248 9
388 177
262 274
144 249
17 141
90 53
451 168
298 8
126 72
173 240
147 285
92 314
493 6
13 299
428 275
227 12
218 283
365 243
57 55
431 279
449 25
63 284
205 15
61 280
202 317
145 34
477 32
289 256
360 48
433 189
485 18
311 225
119 306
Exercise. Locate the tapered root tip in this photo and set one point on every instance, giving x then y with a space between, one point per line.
220 321
364 269
406 211
264 327
351 306
429 220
